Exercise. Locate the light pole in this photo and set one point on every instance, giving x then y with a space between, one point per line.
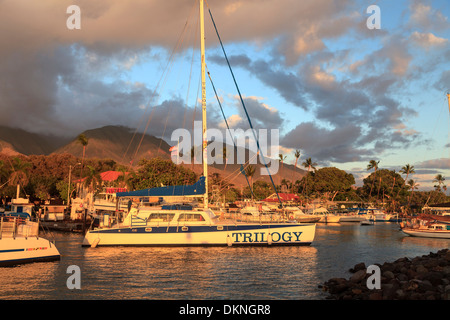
68 187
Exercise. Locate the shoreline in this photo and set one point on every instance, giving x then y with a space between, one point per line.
425 277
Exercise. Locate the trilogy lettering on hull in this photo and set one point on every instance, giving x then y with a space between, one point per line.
246 237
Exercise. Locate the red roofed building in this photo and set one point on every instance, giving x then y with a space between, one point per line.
111 175
283 196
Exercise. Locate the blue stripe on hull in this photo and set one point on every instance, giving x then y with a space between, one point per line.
11 250
235 244
13 262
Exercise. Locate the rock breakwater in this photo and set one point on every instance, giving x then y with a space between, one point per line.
421 278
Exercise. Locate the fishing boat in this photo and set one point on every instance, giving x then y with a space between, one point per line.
180 226
20 241
432 230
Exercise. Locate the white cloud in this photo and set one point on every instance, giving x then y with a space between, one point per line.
427 40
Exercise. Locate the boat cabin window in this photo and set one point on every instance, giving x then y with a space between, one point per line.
191 217
161 217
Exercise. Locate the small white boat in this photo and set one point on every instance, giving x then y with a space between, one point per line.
351 218
323 214
433 230
366 222
20 242
297 214
377 215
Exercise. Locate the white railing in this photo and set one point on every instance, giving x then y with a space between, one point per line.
16 227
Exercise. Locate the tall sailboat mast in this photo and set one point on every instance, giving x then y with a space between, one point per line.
204 136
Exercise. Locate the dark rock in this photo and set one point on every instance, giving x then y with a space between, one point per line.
388 275
421 269
421 278
377 295
358 276
357 267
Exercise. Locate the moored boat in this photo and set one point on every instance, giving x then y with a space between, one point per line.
181 226
432 230
20 241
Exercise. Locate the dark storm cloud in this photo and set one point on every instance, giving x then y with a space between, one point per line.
373 118
324 144
53 79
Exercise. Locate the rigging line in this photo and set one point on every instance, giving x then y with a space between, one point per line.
163 76
228 127
238 171
181 44
190 73
228 181
243 104
193 148
188 88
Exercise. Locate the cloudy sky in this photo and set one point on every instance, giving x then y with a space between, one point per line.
340 92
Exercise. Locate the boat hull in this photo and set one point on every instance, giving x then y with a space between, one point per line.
427 233
203 235
20 250
351 219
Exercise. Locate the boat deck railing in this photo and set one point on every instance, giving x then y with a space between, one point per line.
12 227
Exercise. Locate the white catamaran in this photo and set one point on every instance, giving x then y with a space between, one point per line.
185 226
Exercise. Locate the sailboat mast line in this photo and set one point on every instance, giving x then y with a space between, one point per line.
243 105
228 127
159 87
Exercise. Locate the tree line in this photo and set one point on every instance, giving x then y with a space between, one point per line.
46 177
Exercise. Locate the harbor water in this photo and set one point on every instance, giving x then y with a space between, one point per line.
211 273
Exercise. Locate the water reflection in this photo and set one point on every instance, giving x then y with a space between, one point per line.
212 273
207 273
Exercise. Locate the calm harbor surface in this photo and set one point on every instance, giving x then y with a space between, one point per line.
253 273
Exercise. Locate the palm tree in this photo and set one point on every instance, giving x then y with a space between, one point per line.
285 183
413 185
310 165
93 179
408 169
393 183
282 158
4 173
122 179
372 165
297 155
83 140
19 173
440 180
224 155
249 172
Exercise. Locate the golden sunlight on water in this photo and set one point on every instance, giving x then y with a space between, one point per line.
254 273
